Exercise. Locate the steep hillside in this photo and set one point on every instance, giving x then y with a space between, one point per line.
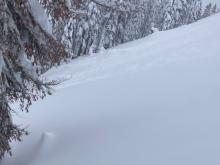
153 101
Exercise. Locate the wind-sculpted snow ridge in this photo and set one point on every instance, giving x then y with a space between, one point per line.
153 101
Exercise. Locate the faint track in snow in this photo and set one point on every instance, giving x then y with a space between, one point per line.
41 147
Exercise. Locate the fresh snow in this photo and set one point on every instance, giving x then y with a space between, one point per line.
154 101
40 15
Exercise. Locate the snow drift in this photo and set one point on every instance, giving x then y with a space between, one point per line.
153 101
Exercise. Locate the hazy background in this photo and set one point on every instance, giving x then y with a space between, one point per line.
213 1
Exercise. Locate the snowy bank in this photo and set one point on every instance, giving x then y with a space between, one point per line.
153 101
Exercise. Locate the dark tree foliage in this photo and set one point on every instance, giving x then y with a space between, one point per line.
22 38
86 26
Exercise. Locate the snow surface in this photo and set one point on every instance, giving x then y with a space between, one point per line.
154 101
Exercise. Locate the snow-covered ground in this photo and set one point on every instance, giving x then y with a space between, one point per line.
154 101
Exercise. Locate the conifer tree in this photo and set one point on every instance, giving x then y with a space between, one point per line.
207 11
85 26
21 39
214 9
210 9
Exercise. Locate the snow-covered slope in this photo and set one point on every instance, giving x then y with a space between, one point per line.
154 101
